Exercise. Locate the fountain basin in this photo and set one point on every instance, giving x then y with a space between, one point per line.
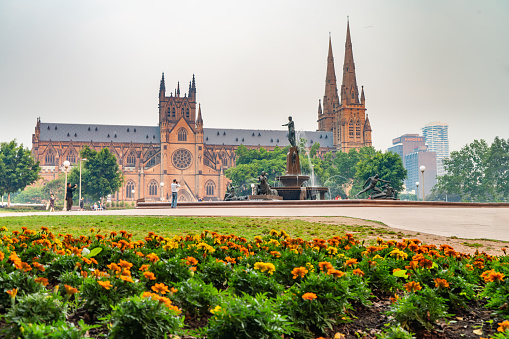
293 180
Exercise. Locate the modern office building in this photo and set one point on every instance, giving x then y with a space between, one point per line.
413 162
406 144
437 139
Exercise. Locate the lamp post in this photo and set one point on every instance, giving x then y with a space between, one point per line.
417 190
84 159
66 167
162 189
132 195
253 189
422 169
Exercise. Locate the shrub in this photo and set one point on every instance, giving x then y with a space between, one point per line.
61 264
395 332
23 282
70 278
34 308
170 270
195 297
248 317
143 318
252 282
59 329
215 272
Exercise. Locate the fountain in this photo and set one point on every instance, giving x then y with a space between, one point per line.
293 180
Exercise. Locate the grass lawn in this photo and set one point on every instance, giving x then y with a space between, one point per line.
139 226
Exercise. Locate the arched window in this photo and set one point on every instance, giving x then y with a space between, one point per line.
187 113
182 135
151 159
50 158
173 112
225 162
210 187
152 187
351 129
182 111
129 187
358 129
131 159
71 157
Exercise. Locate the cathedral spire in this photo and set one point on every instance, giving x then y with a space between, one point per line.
178 89
162 88
199 121
319 107
363 100
349 79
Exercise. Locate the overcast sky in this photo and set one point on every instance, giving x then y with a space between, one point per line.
255 63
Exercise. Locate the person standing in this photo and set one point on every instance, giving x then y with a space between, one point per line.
68 195
82 204
52 203
174 189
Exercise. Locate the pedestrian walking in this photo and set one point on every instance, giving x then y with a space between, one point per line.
174 189
52 203
68 195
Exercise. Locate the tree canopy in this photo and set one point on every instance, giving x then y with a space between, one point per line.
18 168
477 172
100 174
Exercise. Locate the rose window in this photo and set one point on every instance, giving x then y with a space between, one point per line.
181 159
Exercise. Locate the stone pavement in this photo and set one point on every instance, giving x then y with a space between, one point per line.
471 223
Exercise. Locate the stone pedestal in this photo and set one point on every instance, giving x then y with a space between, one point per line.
292 161
265 197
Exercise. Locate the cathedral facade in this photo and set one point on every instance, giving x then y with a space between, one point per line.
181 148
345 116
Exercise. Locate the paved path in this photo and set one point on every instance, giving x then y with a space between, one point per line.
471 223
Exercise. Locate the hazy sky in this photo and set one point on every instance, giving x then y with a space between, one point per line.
255 62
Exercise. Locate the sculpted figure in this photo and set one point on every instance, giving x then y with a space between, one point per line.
370 184
230 192
263 187
291 132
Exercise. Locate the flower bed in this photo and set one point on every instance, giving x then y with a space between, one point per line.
224 286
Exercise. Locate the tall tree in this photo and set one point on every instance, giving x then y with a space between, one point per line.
19 168
101 175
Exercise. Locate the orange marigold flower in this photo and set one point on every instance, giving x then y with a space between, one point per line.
125 264
230 260
358 272
126 278
26 267
114 267
441 283
152 257
149 275
351 262
325 266
497 276
426 263
42 281
336 273
504 326
12 292
105 284
70 290
84 274
173 290
395 298
38 266
160 288
2 255
299 271
144 267
191 261
413 286
309 296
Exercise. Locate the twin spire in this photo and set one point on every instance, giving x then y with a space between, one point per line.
192 88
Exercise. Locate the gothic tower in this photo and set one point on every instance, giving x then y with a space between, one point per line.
345 115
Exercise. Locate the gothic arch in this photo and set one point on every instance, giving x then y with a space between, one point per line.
130 158
351 129
210 188
184 195
49 158
153 187
182 134
129 187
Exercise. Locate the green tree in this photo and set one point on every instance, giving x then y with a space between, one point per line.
19 168
100 174
387 165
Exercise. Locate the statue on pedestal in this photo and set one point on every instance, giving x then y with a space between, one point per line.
263 187
371 185
291 132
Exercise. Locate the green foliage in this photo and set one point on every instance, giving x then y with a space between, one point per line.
170 270
101 175
23 282
419 309
18 167
137 317
62 264
252 282
195 298
34 308
215 273
59 329
395 332
477 172
387 165
70 278
248 317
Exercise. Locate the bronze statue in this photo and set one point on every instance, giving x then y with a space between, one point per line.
263 187
230 192
371 185
291 132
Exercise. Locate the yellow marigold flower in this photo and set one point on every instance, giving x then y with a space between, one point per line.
310 267
70 290
105 284
504 326
441 283
42 281
92 230
399 254
126 278
351 262
412 286
215 309
378 257
206 247
309 296
273 242
274 233
3 229
160 288
152 257
12 292
358 272
299 271
149 275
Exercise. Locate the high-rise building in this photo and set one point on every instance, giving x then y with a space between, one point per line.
406 144
437 140
413 162
345 114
